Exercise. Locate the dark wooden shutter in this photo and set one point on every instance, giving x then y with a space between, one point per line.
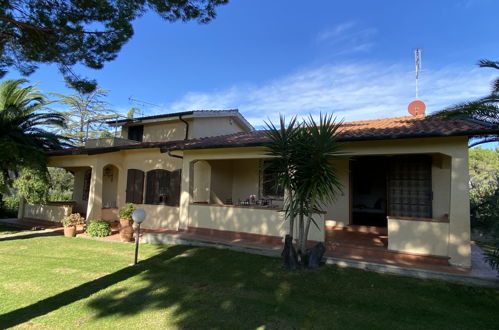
409 187
151 187
174 188
134 186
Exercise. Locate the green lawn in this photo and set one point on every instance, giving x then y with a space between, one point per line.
57 282
5 229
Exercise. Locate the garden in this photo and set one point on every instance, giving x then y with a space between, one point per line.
58 282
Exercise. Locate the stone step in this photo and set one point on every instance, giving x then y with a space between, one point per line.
350 251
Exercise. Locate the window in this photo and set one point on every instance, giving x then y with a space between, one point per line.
409 187
135 133
163 187
157 186
86 185
134 186
269 188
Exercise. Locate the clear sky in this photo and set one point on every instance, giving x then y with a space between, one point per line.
265 57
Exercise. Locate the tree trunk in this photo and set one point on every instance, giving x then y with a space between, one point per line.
303 246
301 232
292 214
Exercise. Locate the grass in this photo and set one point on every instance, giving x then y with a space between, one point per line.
6 229
57 282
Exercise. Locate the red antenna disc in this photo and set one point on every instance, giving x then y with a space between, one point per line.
416 108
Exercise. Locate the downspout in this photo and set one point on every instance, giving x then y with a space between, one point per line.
186 127
175 156
185 138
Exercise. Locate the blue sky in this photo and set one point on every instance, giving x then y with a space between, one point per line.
353 58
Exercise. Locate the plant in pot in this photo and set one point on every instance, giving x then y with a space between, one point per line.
70 222
126 229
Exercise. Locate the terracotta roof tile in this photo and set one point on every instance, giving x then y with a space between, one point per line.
376 129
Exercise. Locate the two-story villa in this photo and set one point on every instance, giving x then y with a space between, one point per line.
405 181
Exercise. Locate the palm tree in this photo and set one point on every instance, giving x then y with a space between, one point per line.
24 138
301 158
485 109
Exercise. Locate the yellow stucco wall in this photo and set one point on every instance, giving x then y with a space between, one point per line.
46 212
202 182
338 213
160 216
246 179
201 127
170 130
110 214
422 237
110 186
247 220
441 181
165 131
221 181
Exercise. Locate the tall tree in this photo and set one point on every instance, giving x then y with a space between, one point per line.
74 32
485 109
302 160
86 115
23 134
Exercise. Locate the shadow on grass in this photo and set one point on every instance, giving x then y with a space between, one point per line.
206 288
30 235
83 291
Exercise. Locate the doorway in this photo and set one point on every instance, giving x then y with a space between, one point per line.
369 191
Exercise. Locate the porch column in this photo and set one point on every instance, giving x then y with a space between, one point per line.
121 193
459 224
94 206
185 193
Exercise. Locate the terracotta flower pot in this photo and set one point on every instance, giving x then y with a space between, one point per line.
70 231
126 234
125 223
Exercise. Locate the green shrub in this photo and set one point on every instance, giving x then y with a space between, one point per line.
73 220
99 228
10 207
126 211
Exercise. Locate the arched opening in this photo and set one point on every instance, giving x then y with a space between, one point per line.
109 186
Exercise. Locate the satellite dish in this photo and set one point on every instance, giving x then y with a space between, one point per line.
416 108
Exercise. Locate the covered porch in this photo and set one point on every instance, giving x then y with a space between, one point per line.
410 195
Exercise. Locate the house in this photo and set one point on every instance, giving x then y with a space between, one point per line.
404 177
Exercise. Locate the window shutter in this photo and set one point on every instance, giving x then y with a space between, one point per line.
151 187
134 186
174 188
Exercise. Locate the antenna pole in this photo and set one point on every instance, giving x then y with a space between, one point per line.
417 57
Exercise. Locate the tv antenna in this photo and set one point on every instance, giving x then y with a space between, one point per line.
142 103
417 58
417 107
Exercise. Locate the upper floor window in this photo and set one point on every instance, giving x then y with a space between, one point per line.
136 133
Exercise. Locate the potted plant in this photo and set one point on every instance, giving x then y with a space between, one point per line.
70 222
126 229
